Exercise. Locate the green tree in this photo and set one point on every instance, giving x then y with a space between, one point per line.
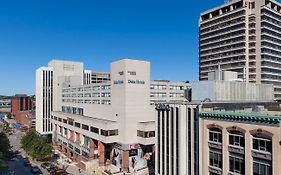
37 147
5 152
7 128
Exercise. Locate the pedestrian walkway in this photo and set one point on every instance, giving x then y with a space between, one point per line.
95 169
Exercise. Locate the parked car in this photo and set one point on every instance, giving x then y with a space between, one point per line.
36 170
46 165
61 172
52 168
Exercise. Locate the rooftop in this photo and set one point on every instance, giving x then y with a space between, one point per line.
242 116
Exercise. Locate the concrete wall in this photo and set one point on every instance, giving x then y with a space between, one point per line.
231 91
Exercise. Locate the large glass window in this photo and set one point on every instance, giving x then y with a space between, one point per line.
77 124
94 130
236 165
215 135
85 127
260 168
236 138
215 159
261 143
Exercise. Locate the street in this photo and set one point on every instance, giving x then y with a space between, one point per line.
16 164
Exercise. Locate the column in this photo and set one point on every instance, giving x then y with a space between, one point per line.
101 153
225 153
248 153
125 161
111 153
92 149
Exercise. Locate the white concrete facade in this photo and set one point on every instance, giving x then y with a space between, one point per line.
114 110
177 152
49 82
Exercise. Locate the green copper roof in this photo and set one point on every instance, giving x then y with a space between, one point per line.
242 116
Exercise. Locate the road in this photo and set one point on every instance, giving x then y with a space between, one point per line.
17 165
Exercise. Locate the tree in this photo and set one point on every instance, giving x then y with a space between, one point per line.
37 147
5 152
7 128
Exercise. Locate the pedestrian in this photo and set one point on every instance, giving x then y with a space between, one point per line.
79 170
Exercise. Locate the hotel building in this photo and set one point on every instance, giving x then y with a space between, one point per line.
112 121
242 36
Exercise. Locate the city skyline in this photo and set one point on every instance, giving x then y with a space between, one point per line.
38 33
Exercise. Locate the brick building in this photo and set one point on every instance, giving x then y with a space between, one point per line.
22 106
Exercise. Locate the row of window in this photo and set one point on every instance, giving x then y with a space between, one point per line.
72 110
261 143
223 42
163 94
88 101
164 87
88 88
223 31
224 48
86 127
222 19
145 134
104 94
222 25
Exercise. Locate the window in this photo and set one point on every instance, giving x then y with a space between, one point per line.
96 101
236 139
77 124
262 144
109 132
106 102
59 119
215 135
87 95
160 87
145 134
215 159
96 94
236 165
107 94
105 87
85 127
94 130
104 132
260 168
96 88
70 122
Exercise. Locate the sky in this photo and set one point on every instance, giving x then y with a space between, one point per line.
97 32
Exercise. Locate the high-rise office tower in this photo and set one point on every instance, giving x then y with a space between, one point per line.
243 36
